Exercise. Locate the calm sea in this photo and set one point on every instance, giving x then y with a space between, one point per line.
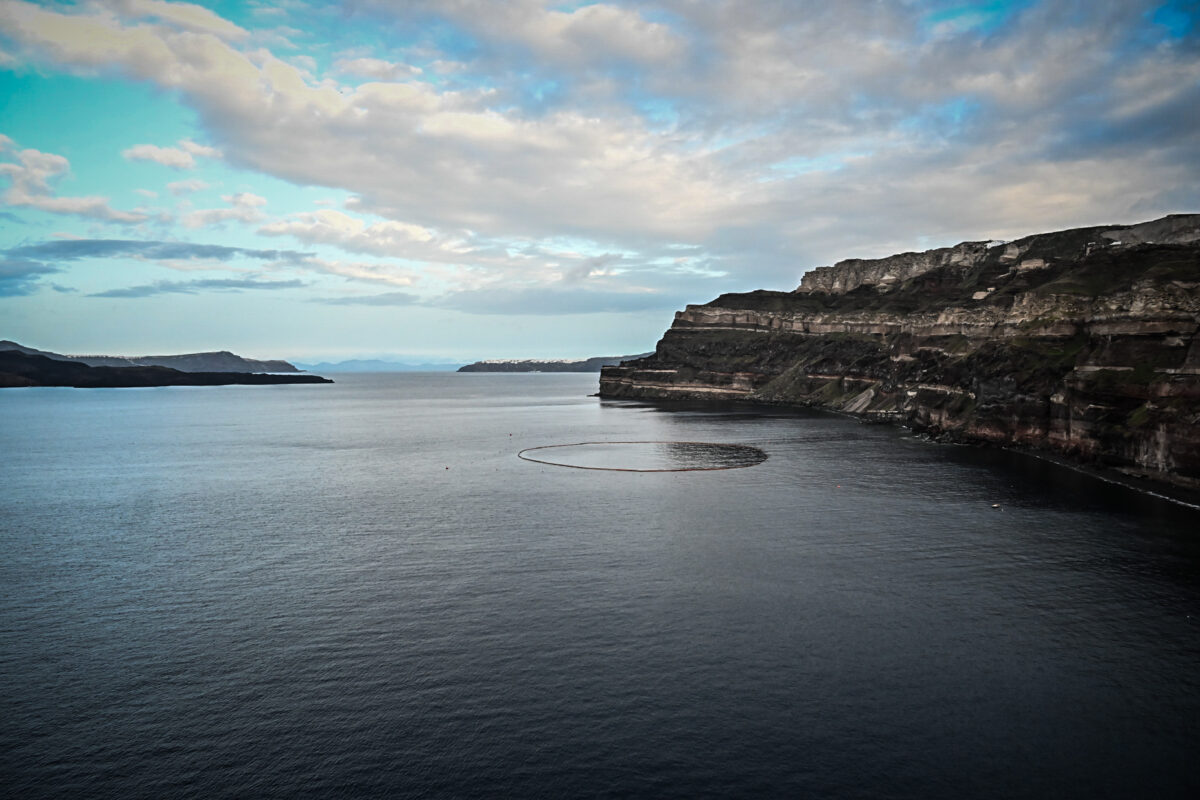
360 590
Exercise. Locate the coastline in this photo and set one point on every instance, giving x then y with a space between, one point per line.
1146 484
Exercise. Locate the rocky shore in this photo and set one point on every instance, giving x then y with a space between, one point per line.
1080 343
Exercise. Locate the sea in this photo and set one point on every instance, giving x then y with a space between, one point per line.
361 590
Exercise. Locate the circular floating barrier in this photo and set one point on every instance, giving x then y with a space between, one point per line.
646 456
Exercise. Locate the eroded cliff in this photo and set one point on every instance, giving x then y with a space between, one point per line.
1079 342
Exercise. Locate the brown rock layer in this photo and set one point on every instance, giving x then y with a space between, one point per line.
1082 343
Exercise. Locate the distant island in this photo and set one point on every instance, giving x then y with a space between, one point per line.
553 365
19 369
378 365
219 361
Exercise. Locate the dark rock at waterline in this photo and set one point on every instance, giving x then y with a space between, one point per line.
1081 343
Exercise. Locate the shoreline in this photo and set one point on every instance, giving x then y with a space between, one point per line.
1163 490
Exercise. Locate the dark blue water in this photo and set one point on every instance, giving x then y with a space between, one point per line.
360 590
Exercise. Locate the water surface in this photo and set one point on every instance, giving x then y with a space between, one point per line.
360 590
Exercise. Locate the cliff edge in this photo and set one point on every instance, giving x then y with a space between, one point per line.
1081 342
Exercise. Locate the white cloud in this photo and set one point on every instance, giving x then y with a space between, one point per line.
194 149
375 68
388 274
243 207
181 157
409 151
94 207
328 226
167 156
670 117
245 199
593 33
184 187
30 186
187 16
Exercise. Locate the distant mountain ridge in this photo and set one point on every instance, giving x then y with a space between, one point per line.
219 361
553 365
376 365
19 369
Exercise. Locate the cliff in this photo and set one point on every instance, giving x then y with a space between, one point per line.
27 369
593 364
1082 343
218 361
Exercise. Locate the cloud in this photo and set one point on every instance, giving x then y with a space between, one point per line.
357 270
328 226
244 207
591 35
30 186
596 266
194 149
375 68
21 276
181 157
77 249
530 301
521 302
167 156
408 150
178 188
188 255
771 136
549 301
385 299
186 16
197 286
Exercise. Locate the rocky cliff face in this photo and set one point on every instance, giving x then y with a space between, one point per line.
1080 342
894 271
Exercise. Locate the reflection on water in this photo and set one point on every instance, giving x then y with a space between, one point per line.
357 590
647 456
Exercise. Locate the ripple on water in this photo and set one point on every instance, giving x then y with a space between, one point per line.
646 456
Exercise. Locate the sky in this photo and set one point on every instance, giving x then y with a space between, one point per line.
468 179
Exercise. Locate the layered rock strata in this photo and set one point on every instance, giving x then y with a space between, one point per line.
1082 343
